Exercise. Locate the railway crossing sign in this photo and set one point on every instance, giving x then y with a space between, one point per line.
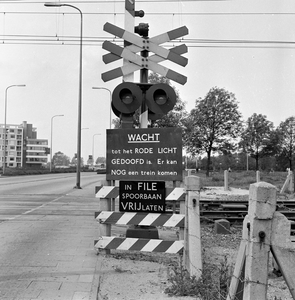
142 196
144 154
137 62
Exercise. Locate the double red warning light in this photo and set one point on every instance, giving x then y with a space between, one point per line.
127 97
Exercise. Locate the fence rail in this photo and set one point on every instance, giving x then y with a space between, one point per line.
140 219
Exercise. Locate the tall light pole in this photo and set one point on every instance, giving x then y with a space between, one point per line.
78 178
93 145
51 139
5 114
103 88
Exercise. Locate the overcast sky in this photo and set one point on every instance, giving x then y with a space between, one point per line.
246 47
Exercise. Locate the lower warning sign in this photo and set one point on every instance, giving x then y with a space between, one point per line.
142 196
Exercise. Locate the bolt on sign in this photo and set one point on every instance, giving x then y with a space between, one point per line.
142 196
144 154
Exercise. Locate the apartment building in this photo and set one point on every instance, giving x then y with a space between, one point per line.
23 149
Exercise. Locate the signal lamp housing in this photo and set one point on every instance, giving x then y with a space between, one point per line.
127 98
160 98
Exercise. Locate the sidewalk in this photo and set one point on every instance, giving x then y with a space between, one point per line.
48 254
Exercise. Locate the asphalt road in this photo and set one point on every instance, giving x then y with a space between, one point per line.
43 194
47 232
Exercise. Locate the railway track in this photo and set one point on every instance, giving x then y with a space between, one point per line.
235 211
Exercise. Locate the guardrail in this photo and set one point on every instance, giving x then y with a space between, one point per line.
188 221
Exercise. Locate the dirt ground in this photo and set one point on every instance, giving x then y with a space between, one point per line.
128 279
136 275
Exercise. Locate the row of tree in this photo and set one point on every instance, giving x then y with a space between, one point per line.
60 159
215 125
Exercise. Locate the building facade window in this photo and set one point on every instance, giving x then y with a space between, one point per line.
23 148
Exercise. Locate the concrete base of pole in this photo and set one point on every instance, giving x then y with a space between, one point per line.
222 226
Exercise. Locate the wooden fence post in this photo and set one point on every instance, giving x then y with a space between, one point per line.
288 183
264 230
226 180
291 185
262 205
193 236
257 176
236 289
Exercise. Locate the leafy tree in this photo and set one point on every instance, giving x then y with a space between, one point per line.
100 160
256 137
60 159
286 139
174 117
117 123
213 124
74 161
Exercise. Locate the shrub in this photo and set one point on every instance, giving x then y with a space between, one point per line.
212 285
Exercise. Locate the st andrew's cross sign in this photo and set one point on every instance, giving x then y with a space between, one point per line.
149 44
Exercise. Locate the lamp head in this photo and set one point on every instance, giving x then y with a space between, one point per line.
53 4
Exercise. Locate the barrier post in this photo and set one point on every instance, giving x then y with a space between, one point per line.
262 205
283 249
181 211
193 236
105 229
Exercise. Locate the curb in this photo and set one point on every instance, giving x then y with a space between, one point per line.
96 279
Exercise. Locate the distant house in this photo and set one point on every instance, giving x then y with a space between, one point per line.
22 149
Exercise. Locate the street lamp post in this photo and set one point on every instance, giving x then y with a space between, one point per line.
93 145
78 178
103 88
5 114
51 139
